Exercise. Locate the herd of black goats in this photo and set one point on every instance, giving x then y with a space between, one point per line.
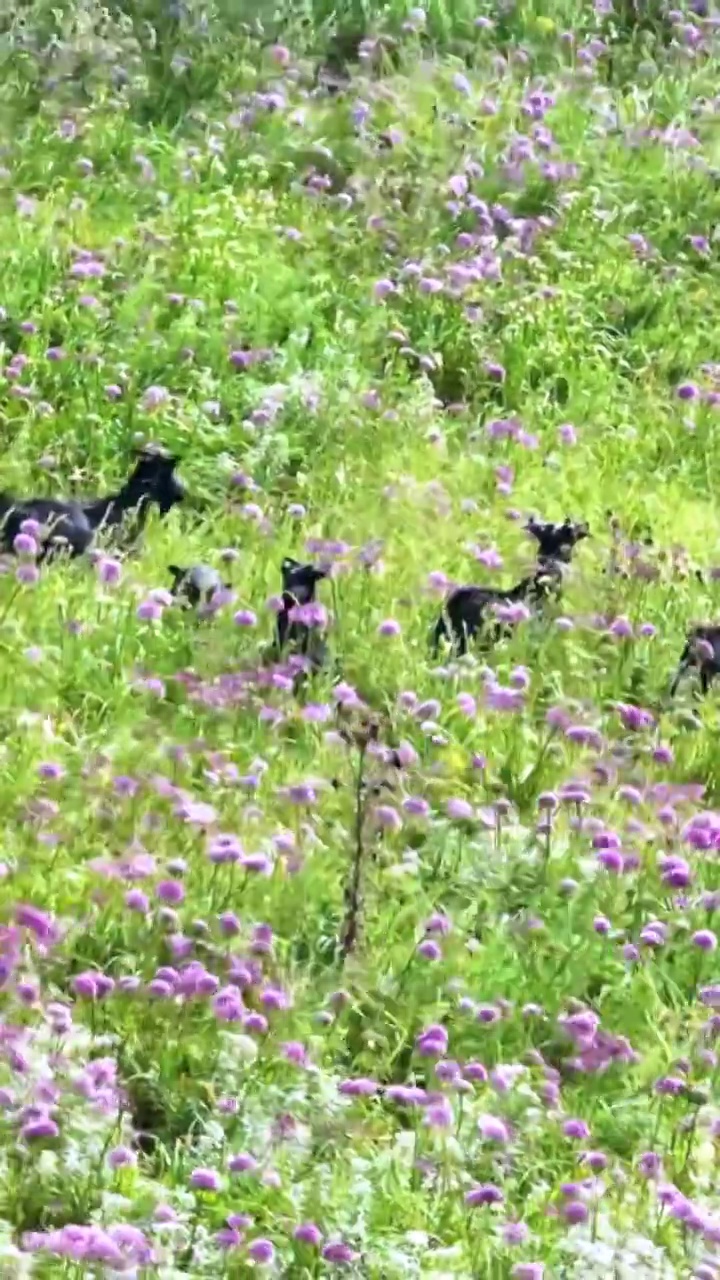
69 527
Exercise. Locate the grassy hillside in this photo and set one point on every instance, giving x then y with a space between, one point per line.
410 972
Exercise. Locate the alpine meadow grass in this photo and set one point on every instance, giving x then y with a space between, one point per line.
361 960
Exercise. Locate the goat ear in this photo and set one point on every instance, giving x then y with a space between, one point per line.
289 564
176 571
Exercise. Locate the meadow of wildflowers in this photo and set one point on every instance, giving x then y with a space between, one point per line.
409 970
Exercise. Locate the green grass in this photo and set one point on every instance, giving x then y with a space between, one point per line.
127 141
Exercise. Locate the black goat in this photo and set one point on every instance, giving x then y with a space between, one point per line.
197 584
296 626
469 610
152 480
702 654
63 525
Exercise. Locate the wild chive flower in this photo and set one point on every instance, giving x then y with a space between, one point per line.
121 1157
154 397
499 698
493 1129
262 1251
228 1005
149 611
224 848
205 1180
170 891
136 900
295 1052
86 985
487 1014
243 1162
339 1252
461 83
459 810
109 571
705 940
416 807
576 1129
24 544
514 1233
308 1233
595 1160
428 949
438 923
360 1087
675 872
50 771
40 1129
635 718
387 818
575 1212
406 1095
432 1042
484 1194
476 1072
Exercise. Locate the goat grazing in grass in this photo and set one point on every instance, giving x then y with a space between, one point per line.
701 654
197 584
301 619
470 610
152 480
62 525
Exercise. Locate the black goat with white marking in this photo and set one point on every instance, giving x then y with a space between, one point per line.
470 610
197 584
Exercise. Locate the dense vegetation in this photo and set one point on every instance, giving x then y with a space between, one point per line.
411 971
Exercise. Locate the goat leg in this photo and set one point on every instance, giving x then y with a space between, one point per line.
440 632
683 666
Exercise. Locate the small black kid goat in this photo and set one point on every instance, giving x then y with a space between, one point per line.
469 611
701 654
299 621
